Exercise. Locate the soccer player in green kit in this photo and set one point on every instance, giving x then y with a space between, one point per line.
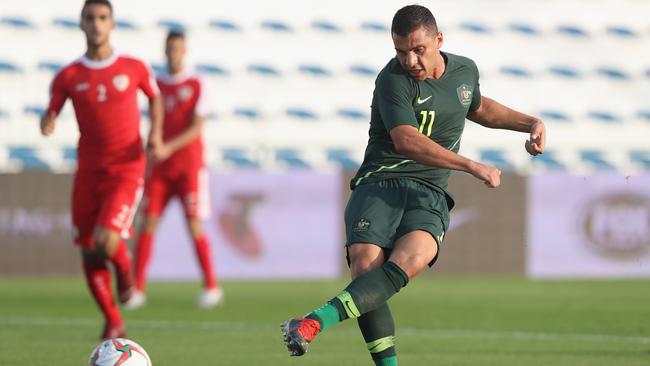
398 212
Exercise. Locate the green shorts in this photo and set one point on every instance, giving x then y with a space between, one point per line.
382 212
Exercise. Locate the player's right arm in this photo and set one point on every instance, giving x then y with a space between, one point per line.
395 96
58 96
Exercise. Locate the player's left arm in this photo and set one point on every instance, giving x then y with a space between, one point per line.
184 138
148 85
492 114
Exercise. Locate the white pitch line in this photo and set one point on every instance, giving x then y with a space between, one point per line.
401 331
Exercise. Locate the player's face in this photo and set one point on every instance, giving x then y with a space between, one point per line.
175 52
97 23
418 52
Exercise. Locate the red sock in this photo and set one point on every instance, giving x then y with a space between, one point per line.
121 259
142 256
204 254
98 278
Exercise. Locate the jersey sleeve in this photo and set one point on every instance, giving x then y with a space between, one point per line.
394 100
58 94
476 93
148 82
200 107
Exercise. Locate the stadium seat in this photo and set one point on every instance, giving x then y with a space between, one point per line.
172 24
50 66
555 116
572 30
263 70
10 67
276 25
496 158
314 70
325 26
291 157
66 23
158 69
123 24
602 116
524 29
644 115
549 160
613 73
224 25
27 157
238 158
301 113
565 71
475 27
516 71
4 115
16 22
375 27
70 154
353 114
621 31
596 159
641 157
210 69
343 158
249 113
35 110
364 70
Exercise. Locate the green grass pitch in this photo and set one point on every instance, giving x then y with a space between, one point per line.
440 321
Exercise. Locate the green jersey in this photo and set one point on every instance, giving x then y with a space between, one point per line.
436 107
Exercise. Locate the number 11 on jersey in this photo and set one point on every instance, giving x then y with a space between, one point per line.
432 117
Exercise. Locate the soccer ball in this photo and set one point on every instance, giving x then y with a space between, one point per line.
119 352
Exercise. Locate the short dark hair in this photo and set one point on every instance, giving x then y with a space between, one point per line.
99 2
412 17
174 34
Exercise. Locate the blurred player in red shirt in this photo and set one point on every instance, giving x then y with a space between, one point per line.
108 184
178 170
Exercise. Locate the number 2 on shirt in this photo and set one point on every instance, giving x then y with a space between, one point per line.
432 117
101 93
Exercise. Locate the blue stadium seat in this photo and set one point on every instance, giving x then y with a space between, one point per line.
10 67
353 114
364 70
596 159
613 73
375 27
276 25
27 157
249 113
158 69
496 158
344 158
4 114
16 22
38 111
516 71
644 114
302 113
642 157
50 66
556 116
622 31
239 158
210 69
172 24
325 26
70 154
475 27
572 30
603 116
66 23
524 29
291 157
123 24
549 160
565 71
314 70
263 70
224 25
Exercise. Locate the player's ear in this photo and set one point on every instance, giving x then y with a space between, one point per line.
439 40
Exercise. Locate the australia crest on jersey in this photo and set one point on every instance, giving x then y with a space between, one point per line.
185 93
361 225
464 94
121 82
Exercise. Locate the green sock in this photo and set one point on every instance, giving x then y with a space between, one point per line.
365 293
389 361
378 329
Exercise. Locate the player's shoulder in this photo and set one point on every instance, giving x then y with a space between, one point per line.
187 76
131 60
393 74
461 61
69 69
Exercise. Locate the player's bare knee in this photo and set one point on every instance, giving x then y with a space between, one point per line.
412 265
364 258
